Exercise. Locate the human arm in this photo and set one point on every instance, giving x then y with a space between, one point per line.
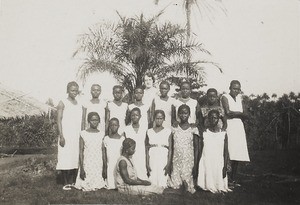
226 156
224 122
81 158
107 117
168 167
83 120
174 121
127 118
147 155
104 159
60 110
196 155
201 122
125 176
228 113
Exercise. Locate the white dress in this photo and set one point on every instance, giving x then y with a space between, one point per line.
149 95
166 106
237 144
98 108
118 112
139 157
192 104
158 153
113 152
144 113
92 162
68 156
211 164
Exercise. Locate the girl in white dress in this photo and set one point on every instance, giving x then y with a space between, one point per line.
145 120
235 112
150 91
89 177
165 103
117 109
69 115
112 145
157 145
185 91
137 132
214 157
95 105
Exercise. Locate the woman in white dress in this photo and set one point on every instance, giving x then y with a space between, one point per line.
149 91
235 112
117 109
112 145
165 103
157 145
214 157
95 105
89 176
137 132
69 115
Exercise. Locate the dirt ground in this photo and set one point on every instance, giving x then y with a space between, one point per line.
272 177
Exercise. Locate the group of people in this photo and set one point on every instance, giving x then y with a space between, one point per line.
157 142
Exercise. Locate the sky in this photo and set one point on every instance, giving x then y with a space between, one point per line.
256 42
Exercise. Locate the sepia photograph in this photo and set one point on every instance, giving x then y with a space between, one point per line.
150 102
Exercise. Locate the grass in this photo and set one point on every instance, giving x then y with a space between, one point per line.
272 177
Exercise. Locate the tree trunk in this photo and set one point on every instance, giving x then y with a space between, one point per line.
188 6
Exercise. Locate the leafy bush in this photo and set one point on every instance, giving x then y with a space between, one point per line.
28 131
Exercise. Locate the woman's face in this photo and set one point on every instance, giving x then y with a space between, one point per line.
148 82
94 121
235 89
135 116
159 119
73 91
114 126
95 91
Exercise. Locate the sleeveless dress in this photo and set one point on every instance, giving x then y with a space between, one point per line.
144 113
149 95
139 157
92 162
183 158
166 106
158 152
68 156
192 104
212 162
237 144
133 189
98 108
113 152
118 112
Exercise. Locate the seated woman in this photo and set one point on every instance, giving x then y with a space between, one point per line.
126 177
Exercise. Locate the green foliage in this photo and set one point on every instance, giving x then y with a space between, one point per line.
29 131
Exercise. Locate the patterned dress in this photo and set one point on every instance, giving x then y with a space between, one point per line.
158 153
133 189
67 156
237 144
113 152
118 112
183 158
139 157
212 162
92 162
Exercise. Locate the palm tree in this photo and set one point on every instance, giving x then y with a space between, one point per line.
188 4
133 47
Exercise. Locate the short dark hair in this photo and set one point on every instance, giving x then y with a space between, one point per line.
91 114
234 82
161 112
135 109
164 82
212 112
127 143
70 84
184 106
210 90
118 86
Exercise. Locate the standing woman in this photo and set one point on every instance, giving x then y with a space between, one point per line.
69 115
236 113
149 91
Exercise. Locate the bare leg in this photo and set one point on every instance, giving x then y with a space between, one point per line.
65 176
234 167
